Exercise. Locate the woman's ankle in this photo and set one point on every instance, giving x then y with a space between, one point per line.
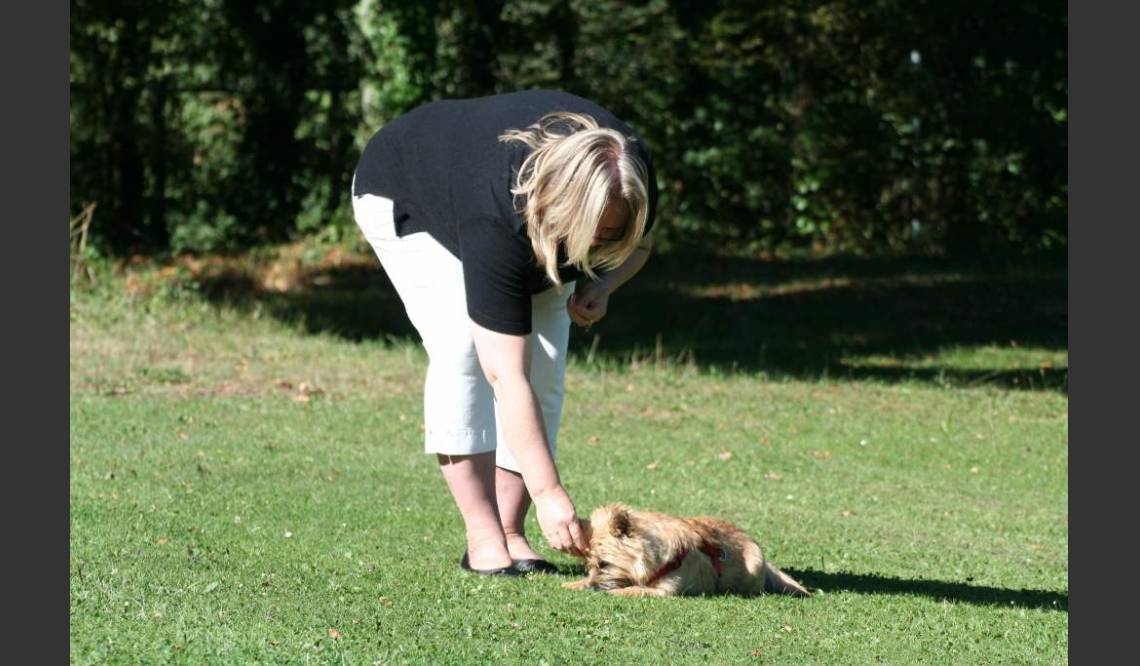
519 548
487 552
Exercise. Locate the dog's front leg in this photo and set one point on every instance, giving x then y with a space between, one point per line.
583 584
640 591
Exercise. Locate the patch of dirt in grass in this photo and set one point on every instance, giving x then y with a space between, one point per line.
194 326
282 269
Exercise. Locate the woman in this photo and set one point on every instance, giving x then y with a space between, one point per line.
500 220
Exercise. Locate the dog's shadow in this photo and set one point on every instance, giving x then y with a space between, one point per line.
936 589
831 582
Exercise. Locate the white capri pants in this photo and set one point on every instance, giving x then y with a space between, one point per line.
460 411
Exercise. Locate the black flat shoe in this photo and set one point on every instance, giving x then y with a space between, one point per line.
501 571
535 566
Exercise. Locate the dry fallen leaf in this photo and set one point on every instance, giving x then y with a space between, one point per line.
385 601
182 434
652 465
726 455
847 513
975 469
592 439
161 541
773 476
306 391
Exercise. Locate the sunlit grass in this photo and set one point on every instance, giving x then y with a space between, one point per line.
244 489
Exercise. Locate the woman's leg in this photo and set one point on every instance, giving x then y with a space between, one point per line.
459 422
548 342
513 504
471 480
459 427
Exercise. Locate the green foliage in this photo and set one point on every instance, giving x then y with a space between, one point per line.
862 126
390 84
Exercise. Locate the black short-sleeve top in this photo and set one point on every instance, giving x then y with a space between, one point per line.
449 175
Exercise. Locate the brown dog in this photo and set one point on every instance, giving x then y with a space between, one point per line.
646 554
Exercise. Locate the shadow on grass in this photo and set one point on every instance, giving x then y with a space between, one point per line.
881 585
935 589
884 319
575 570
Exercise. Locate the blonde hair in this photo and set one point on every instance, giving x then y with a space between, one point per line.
573 171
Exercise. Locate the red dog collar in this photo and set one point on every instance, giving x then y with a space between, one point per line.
717 555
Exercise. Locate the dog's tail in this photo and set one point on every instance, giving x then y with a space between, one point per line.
781 583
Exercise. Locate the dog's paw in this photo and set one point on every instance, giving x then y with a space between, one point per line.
638 591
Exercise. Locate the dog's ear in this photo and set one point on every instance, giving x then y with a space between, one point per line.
611 519
619 523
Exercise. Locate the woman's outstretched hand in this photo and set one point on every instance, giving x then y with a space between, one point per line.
559 522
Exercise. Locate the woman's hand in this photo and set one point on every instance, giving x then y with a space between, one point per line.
559 522
588 304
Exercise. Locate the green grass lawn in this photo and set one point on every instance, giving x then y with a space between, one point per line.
247 483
